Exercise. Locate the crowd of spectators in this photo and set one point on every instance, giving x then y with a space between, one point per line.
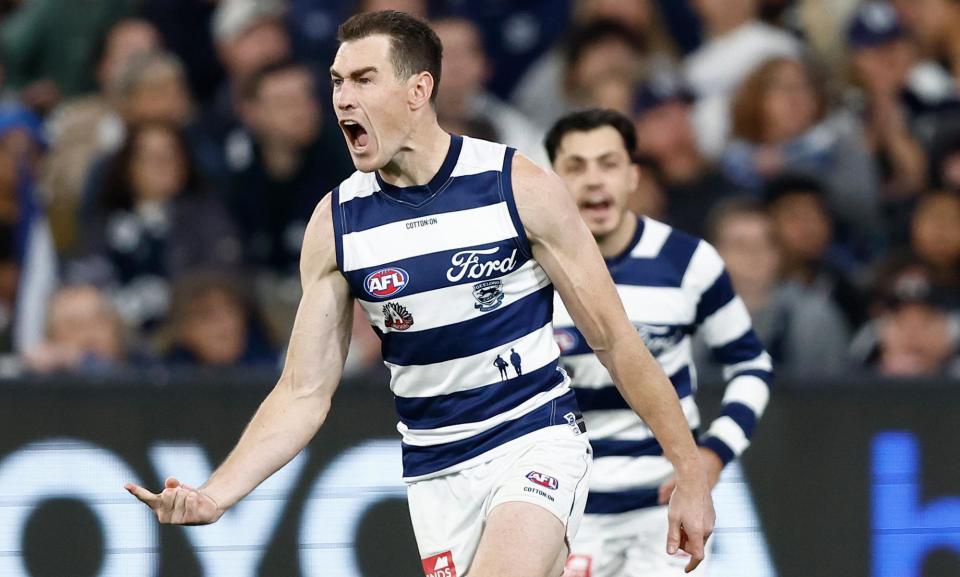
159 161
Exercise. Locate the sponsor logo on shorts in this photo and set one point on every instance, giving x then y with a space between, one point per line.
440 565
539 492
386 282
397 317
543 480
578 566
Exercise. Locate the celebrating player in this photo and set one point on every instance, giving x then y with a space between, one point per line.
671 284
453 246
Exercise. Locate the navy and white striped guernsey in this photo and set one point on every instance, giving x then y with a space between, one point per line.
672 284
445 274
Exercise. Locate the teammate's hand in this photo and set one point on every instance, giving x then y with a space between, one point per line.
691 518
178 504
711 464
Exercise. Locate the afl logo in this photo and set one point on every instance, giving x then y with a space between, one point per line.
386 282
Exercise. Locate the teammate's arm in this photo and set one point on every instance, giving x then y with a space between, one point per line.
296 407
567 252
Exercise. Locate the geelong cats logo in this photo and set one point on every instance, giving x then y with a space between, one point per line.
489 295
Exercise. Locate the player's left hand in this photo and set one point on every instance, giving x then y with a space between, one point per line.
691 516
711 464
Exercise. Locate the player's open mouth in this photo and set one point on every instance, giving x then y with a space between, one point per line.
357 135
597 205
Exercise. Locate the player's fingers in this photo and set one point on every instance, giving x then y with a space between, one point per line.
179 506
693 544
673 534
146 497
171 483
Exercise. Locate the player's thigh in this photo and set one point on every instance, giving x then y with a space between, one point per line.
520 540
600 547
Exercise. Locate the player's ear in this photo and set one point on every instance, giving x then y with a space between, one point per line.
634 176
421 89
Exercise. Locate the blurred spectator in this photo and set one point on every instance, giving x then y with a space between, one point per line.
615 56
185 28
49 47
804 230
803 331
9 281
84 334
935 24
249 35
214 323
604 62
781 123
935 237
84 128
463 102
898 90
692 184
649 198
295 159
515 34
737 43
151 88
153 222
29 268
915 334
416 7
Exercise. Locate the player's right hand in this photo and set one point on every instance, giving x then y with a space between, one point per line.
178 504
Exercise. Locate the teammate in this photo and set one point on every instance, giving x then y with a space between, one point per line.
672 285
431 226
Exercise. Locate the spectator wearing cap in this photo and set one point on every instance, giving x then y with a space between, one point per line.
248 35
692 183
737 43
640 24
898 91
810 255
803 330
916 332
782 123
463 104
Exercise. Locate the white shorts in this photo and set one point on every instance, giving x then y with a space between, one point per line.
449 512
631 544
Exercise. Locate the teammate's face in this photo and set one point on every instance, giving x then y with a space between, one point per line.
372 104
597 169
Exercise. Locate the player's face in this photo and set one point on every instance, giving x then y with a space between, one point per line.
372 105
597 169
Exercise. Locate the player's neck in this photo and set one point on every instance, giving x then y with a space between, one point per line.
616 242
420 158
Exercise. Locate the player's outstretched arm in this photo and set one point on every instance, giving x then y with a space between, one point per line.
563 246
296 407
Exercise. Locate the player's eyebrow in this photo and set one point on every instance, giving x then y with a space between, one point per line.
355 74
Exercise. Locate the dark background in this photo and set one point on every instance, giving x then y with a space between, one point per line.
809 468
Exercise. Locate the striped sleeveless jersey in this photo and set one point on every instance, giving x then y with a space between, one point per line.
445 275
672 285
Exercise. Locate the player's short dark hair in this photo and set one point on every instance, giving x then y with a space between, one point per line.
414 46
590 119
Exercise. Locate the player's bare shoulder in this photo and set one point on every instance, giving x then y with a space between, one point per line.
543 202
318 256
